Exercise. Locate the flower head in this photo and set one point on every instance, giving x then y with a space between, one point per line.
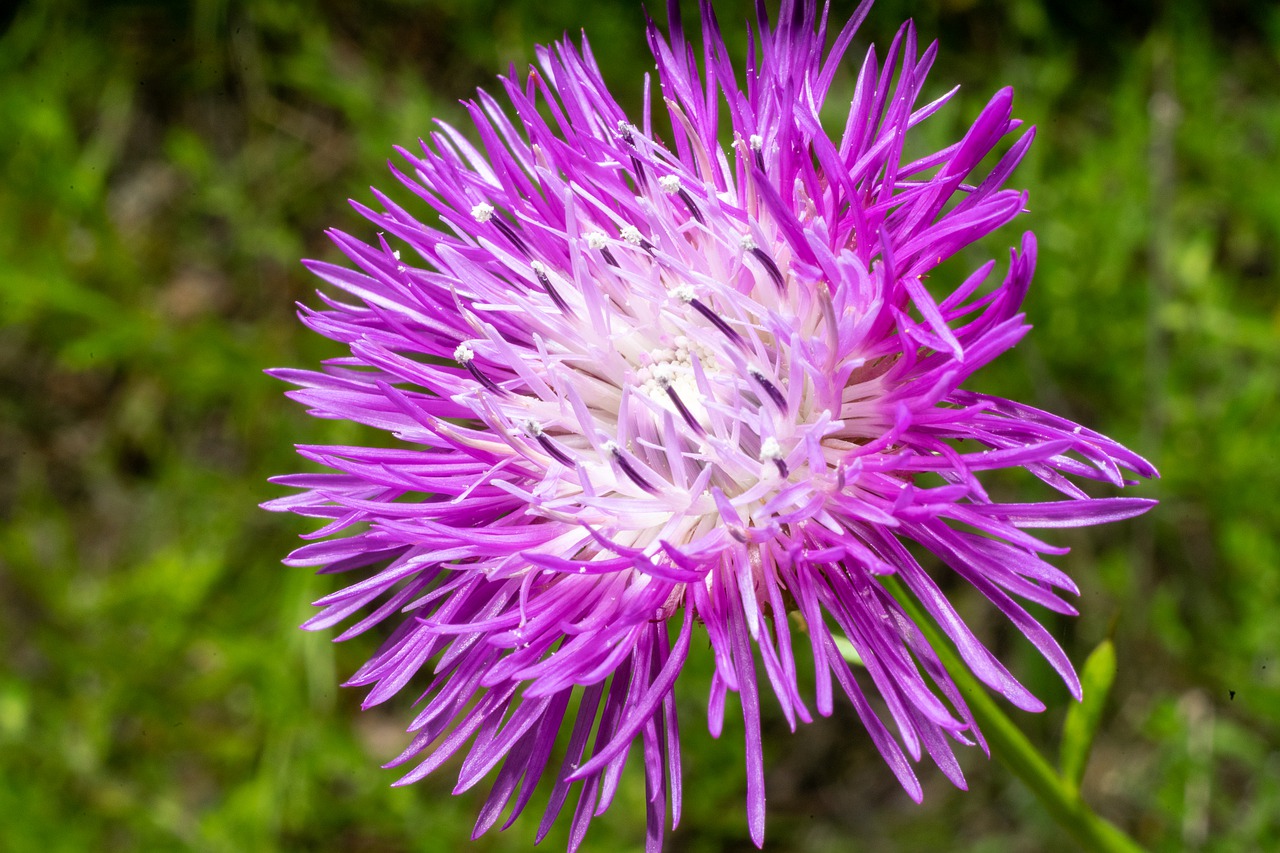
650 384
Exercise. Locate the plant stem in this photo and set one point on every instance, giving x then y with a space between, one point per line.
1011 747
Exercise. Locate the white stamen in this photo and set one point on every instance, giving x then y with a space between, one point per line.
770 450
482 212
670 184
464 353
632 235
756 141
597 240
532 428
747 244
611 447
538 267
396 254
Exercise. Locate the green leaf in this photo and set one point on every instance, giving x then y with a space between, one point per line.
1081 725
847 651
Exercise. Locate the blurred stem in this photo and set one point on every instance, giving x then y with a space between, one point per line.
1011 747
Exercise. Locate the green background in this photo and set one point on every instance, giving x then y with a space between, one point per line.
163 167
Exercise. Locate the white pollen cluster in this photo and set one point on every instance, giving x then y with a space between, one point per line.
463 354
632 235
482 212
596 239
683 292
670 184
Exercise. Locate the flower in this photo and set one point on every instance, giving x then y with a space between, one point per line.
655 385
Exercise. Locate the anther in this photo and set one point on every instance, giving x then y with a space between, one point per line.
693 208
481 378
680 407
534 429
465 356
770 266
626 131
633 236
686 294
484 212
554 452
540 270
771 451
727 330
511 235
597 240
683 292
632 474
769 388
756 142
671 185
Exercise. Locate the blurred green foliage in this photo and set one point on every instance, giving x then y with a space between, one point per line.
163 166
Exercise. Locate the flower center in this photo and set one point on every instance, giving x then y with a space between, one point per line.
667 376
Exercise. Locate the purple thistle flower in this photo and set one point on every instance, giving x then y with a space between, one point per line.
654 386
